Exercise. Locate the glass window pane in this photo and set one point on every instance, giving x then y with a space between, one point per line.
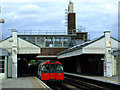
23 37
2 66
52 66
49 41
40 41
58 41
45 67
59 67
31 39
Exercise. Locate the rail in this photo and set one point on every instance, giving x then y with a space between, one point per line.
88 84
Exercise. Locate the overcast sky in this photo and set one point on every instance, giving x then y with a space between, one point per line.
96 16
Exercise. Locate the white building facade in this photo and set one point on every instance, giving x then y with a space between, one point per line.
102 45
15 45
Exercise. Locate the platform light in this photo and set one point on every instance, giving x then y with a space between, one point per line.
1 20
26 61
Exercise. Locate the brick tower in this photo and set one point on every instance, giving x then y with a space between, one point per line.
71 19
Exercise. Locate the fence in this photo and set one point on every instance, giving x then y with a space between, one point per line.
42 32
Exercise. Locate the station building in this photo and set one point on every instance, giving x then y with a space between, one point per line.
19 50
23 48
93 57
26 47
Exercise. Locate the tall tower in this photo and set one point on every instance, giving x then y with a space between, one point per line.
71 19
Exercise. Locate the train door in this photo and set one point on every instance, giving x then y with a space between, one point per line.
59 72
52 71
45 72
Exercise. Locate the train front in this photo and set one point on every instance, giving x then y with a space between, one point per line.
52 71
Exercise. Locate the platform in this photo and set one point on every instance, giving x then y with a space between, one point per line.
112 80
23 82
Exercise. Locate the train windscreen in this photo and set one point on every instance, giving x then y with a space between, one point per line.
59 67
52 68
45 68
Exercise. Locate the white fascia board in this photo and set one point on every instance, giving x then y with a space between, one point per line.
6 44
93 51
46 56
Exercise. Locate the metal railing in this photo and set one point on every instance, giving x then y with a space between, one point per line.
45 32
42 32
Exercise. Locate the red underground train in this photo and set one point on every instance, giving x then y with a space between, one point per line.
51 71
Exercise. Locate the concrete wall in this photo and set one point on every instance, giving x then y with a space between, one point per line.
25 47
114 44
117 60
2 75
7 44
9 66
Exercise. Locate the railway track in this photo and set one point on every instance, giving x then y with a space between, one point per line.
83 85
62 86
75 83
87 84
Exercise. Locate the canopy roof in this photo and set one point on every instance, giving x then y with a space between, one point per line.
4 52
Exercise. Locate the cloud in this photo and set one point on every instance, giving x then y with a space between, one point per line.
23 1
95 15
30 9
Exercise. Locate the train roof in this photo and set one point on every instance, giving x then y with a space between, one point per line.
50 62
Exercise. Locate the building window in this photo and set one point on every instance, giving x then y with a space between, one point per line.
49 41
66 41
31 39
2 63
40 41
58 41
23 37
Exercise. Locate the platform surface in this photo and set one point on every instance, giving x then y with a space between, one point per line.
113 80
23 82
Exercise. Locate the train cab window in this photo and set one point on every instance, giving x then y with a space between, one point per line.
59 67
45 67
